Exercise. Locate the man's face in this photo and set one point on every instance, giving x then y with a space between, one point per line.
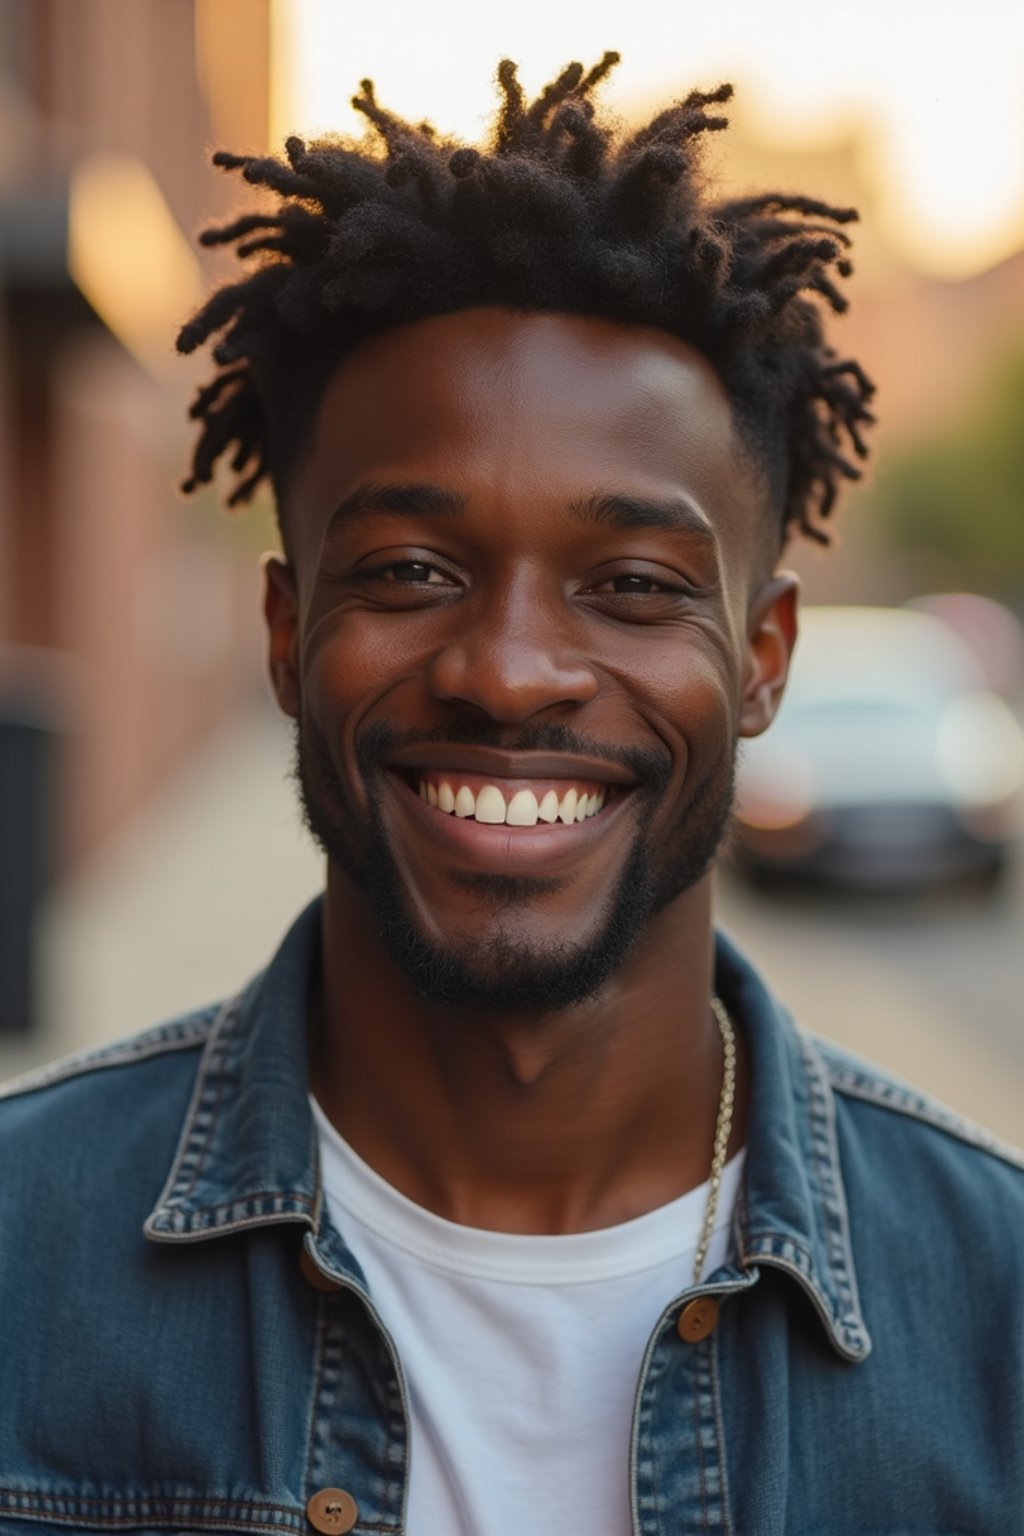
527 618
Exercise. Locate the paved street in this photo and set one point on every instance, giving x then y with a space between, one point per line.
192 899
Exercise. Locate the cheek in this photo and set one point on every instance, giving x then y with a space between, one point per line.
346 657
339 674
356 668
687 694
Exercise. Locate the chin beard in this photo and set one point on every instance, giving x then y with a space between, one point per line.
505 974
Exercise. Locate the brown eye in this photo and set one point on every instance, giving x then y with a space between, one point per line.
411 572
642 584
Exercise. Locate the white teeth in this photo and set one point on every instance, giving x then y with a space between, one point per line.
522 809
490 804
548 808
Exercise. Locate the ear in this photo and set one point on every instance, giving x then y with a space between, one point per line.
280 608
771 635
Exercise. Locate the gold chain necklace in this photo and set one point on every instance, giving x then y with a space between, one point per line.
723 1126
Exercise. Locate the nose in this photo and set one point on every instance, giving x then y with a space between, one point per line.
512 659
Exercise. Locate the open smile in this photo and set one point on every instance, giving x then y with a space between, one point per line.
533 817
510 802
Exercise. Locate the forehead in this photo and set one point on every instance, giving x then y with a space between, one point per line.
502 405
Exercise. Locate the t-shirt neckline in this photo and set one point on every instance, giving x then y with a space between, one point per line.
628 1248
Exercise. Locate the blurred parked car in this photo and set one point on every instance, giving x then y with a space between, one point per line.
890 761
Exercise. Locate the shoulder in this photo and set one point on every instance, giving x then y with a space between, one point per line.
907 1113
121 1104
914 1169
188 1032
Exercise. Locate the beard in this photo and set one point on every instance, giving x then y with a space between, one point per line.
504 973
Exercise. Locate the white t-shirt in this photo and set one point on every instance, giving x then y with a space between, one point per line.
521 1353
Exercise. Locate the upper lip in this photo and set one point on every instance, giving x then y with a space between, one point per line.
511 765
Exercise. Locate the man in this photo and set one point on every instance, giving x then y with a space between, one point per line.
505 1200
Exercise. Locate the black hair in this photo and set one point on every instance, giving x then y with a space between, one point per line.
560 212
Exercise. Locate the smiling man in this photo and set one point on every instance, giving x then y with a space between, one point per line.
507 1198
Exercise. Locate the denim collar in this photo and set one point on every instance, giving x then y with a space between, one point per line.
248 1152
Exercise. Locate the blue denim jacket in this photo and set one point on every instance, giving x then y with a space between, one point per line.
186 1344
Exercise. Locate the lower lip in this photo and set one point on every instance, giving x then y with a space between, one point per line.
541 849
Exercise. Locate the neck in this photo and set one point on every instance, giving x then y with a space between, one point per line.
564 1122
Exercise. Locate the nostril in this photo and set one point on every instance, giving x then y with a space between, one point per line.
512 680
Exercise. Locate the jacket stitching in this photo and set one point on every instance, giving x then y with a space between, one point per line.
851 1345
859 1084
171 1194
825 1158
199 1139
231 1215
701 1352
143 1503
854 1322
716 1408
64 1508
824 1172
131 1522
321 1335
169 1037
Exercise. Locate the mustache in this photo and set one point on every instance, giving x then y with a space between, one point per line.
377 743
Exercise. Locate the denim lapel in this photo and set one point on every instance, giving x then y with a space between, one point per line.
792 1212
247 1155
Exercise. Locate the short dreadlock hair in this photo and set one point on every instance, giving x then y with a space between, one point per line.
561 213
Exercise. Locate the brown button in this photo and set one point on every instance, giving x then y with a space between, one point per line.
319 1281
697 1319
332 1511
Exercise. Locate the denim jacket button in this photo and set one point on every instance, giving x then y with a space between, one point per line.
697 1319
318 1280
332 1511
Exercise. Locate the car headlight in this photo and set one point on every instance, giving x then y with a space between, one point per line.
776 793
981 751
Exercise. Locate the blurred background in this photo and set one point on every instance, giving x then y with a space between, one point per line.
150 854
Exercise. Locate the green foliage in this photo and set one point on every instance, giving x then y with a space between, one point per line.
959 497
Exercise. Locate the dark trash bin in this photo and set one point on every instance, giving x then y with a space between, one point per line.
29 732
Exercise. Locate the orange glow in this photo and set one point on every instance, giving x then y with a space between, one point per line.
128 256
937 91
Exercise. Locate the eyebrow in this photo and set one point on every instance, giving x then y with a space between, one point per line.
405 497
674 514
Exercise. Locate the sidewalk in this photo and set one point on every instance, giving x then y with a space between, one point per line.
194 898
189 902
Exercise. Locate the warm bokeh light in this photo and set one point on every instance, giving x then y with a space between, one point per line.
129 257
935 92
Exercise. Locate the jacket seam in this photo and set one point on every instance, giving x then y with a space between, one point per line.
839 1247
168 1038
818 1106
204 1221
820 1303
172 1193
219 1053
716 1408
702 1357
132 1511
132 1522
314 1406
855 1083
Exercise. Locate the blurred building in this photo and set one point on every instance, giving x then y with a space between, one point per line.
126 615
